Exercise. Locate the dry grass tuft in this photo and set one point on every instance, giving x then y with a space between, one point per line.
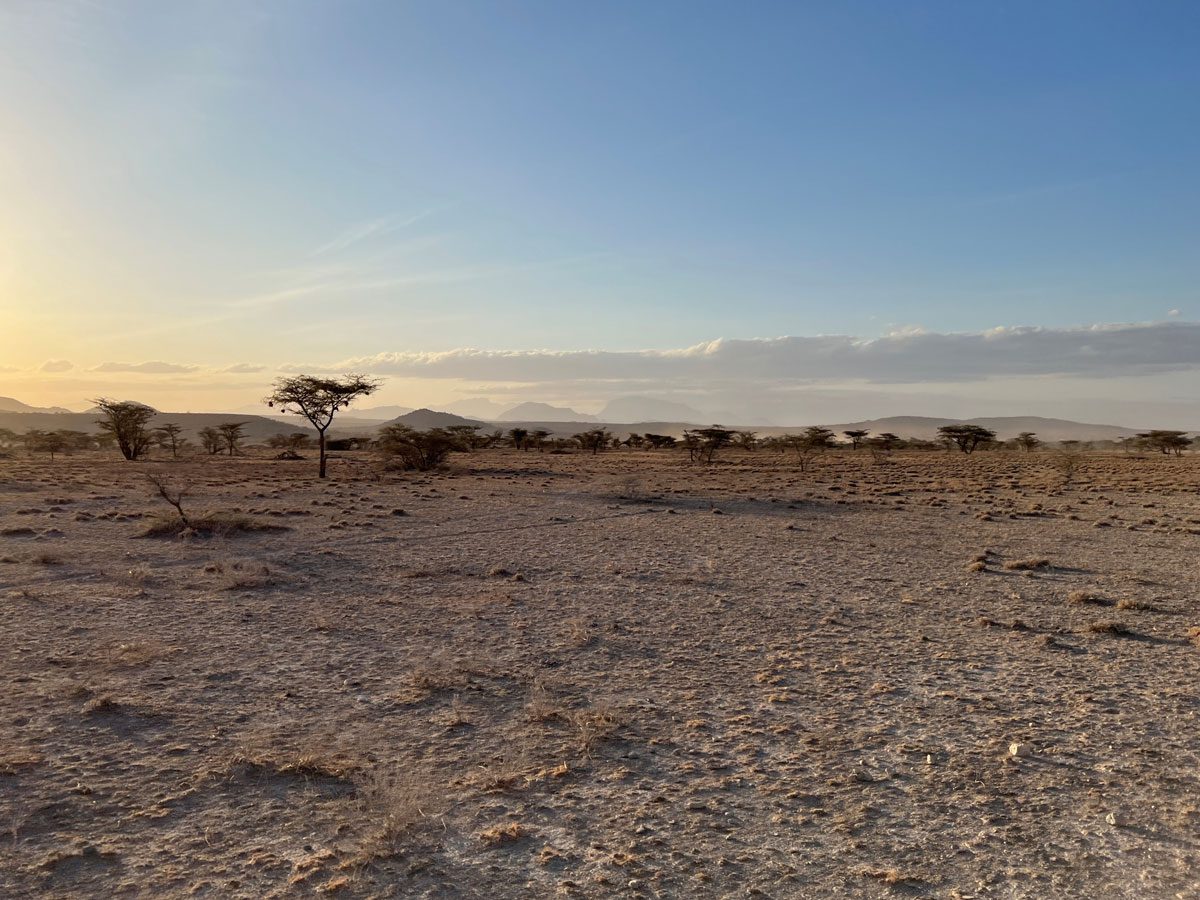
507 833
1129 603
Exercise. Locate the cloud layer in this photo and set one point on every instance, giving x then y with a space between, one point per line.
910 356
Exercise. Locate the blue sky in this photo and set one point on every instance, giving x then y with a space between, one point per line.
294 183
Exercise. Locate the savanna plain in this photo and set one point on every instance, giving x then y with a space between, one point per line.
537 675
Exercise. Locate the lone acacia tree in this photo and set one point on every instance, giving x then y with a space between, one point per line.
126 421
319 399
966 437
856 436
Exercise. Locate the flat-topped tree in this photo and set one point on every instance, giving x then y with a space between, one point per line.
966 437
319 399
856 436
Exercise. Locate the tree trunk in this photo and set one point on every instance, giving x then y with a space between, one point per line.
322 443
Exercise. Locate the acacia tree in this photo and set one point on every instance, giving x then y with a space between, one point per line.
231 436
126 421
856 436
703 443
53 442
167 436
595 440
747 440
1028 441
1166 441
294 441
519 438
211 440
319 399
815 439
967 437
420 450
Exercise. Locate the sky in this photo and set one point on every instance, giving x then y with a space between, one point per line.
783 210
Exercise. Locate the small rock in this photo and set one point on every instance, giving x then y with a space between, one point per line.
1116 820
1015 749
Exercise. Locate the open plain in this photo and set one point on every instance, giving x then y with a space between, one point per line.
538 675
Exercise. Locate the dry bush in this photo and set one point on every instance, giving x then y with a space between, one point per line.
1078 597
1128 603
1027 565
1110 627
215 524
219 524
398 806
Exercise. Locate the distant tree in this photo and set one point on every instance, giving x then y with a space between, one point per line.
595 439
966 437
809 443
747 440
519 438
8 437
211 440
1166 441
468 436
52 442
1027 441
168 437
294 441
420 450
703 443
318 400
538 439
856 436
126 421
32 439
232 435
659 441
887 441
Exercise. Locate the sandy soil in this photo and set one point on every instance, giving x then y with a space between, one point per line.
611 676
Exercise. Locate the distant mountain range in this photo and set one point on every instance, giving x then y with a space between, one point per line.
258 428
623 416
422 419
543 412
8 404
649 409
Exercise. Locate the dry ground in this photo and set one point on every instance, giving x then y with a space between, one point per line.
611 676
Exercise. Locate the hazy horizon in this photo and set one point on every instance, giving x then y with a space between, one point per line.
806 214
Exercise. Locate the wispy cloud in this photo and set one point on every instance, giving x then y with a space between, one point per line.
243 369
57 365
372 229
154 367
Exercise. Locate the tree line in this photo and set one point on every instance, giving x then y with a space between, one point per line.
126 424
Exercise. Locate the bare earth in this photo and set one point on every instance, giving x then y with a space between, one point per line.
623 675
